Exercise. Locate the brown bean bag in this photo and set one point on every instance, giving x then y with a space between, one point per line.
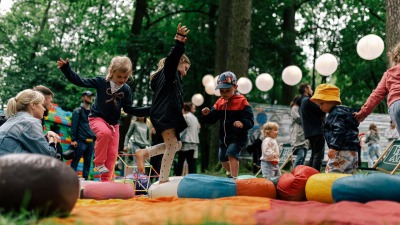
37 183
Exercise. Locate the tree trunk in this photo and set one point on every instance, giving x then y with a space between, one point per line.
392 24
141 8
239 44
288 50
232 51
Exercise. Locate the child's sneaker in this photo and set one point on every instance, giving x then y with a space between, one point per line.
228 174
101 169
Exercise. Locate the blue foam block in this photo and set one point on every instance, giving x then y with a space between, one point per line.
206 187
364 188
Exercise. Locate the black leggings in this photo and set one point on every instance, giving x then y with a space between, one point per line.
188 155
317 145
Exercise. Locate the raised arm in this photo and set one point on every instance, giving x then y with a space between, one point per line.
73 77
174 56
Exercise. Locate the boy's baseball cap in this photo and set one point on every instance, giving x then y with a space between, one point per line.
226 80
87 93
327 92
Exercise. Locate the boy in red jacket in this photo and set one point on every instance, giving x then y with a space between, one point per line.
236 118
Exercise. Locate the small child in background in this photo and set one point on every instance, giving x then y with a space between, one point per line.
340 130
236 118
137 137
372 139
270 151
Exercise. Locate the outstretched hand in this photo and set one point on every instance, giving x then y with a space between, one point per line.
358 117
182 30
61 62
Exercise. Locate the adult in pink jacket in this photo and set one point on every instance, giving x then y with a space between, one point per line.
388 86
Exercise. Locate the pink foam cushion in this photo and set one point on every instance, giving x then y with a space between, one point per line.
108 190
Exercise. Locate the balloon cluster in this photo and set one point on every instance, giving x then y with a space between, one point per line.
369 47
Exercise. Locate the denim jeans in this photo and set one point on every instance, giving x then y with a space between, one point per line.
394 112
86 150
301 154
373 150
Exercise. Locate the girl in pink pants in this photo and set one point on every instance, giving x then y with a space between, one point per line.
113 94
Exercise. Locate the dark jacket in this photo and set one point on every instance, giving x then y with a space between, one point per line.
311 117
341 129
227 112
167 103
107 106
80 129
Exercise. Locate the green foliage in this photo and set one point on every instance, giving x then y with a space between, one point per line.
36 33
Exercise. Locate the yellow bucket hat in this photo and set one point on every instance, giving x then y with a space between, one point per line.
327 92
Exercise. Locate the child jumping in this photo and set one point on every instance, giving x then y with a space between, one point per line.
236 118
340 130
270 151
112 94
166 110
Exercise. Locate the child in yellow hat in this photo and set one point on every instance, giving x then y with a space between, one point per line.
340 130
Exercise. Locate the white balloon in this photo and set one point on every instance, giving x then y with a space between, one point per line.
244 85
207 78
370 47
103 69
210 87
197 99
215 80
264 82
291 75
326 64
217 92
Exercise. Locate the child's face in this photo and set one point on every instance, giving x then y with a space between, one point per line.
325 106
273 133
183 68
120 78
227 93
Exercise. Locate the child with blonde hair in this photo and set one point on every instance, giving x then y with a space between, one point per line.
270 151
167 103
112 94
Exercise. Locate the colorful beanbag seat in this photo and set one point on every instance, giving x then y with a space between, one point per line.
39 183
258 187
319 186
108 190
364 188
169 188
291 186
205 186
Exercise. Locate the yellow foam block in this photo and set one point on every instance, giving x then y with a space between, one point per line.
319 186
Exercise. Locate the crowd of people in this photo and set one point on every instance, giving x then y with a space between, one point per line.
169 126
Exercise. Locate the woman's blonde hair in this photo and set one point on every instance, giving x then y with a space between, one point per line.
119 63
394 55
267 127
22 101
161 63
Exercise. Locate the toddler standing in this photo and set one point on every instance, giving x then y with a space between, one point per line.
270 151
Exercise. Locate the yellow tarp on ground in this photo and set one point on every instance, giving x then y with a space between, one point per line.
167 210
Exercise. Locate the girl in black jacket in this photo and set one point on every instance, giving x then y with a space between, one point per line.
166 110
